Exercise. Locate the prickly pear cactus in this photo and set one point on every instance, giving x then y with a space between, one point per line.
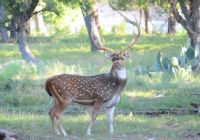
174 62
159 59
166 63
182 59
190 53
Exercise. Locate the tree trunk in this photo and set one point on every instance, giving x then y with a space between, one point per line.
97 21
195 37
171 24
13 29
146 20
142 16
40 26
88 14
23 45
28 28
3 29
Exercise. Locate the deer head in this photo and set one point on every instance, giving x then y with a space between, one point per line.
117 58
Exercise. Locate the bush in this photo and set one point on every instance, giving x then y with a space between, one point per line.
14 71
119 29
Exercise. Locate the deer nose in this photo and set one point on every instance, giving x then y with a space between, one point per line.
118 63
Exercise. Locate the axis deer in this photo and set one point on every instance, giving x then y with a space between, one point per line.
99 91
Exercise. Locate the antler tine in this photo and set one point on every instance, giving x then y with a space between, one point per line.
97 40
134 41
135 23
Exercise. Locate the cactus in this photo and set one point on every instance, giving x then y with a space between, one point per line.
166 63
174 62
190 53
182 58
159 59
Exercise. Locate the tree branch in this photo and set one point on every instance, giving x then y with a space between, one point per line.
180 19
126 18
39 11
186 10
29 11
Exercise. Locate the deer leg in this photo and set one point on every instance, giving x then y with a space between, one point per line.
110 113
93 118
55 115
53 119
62 107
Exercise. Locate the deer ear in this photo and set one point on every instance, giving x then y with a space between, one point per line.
108 56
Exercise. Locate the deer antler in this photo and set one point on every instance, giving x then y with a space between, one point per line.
96 39
135 23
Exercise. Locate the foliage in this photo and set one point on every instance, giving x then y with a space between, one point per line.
11 72
19 8
87 6
130 4
62 23
119 29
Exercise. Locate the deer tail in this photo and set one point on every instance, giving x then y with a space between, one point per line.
47 85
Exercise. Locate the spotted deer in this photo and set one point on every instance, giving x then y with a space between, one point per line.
98 91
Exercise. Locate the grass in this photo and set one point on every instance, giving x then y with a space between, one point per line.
31 126
24 103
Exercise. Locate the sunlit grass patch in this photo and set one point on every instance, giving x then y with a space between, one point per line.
149 94
125 126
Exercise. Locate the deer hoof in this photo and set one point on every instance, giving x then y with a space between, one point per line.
64 134
57 132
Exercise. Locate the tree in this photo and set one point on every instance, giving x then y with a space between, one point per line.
171 24
144 13
13 29
3 29
22 11
189 19
39 22
165 5
89 11
143 5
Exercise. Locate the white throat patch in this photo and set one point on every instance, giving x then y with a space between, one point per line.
121 73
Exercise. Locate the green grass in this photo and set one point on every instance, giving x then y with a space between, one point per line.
24 103
31 126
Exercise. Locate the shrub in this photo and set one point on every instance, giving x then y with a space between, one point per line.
119 29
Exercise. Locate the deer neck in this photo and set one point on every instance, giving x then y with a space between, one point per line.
118 74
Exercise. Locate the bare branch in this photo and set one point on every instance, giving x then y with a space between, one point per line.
42 10
126 18
134 23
